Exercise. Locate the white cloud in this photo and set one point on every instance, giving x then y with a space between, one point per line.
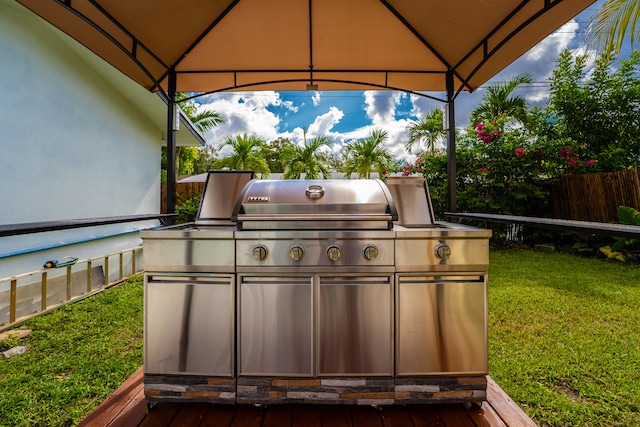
316 98
325 122
381 106
243 113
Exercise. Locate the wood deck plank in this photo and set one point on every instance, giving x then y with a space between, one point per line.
219 416
133 413
110 409
366 416
454 415
161 415
248 416
396 416
425 416
278 416
336 416
510 413
485 416
190 415
307 416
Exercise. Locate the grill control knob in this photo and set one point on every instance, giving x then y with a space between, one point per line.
296 253
333 252
442 251
260 252
371 252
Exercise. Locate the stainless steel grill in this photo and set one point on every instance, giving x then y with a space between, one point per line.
315 205
349 279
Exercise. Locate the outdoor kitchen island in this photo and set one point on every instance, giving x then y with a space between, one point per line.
334 291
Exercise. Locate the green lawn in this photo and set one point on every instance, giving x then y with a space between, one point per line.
564 343
78 355
564 337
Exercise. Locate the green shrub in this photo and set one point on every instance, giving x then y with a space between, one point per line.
187 209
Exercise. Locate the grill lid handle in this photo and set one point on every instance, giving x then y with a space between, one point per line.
315 191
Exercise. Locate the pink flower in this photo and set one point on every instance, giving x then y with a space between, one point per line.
479 126
483 169
519 152
565 152
590 162
405 173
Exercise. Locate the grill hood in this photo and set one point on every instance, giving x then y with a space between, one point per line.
315 204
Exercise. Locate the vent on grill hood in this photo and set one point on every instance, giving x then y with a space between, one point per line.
315 204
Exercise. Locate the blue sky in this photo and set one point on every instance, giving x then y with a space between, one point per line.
346 115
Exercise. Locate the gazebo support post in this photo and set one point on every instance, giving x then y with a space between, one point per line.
451 143
172 128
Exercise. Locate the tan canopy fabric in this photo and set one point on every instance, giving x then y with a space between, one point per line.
231 45
207 46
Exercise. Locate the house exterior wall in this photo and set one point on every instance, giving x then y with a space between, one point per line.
72 147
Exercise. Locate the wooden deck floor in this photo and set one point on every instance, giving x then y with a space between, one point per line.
126 407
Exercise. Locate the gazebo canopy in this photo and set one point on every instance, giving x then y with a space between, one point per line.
206 46
231 45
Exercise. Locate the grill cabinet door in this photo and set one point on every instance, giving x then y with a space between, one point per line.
189 325
441 325
275 331
356 325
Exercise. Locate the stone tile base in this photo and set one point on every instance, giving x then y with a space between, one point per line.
348 391
440 389
187 388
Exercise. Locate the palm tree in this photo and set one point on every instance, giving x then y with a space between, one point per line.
429 130
203 121
367 155
306 160
498 101
608 27
245 155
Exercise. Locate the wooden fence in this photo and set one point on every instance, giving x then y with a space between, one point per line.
184 191
596 197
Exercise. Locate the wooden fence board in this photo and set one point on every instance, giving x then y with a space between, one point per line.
184 191
596 197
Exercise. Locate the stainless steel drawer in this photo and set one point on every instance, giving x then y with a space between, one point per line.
275 325
441 325
189 325
355 325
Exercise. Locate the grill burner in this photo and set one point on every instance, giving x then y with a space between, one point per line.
346 282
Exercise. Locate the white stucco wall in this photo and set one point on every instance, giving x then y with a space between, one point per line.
71 147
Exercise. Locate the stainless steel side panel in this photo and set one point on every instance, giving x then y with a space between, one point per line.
188 325
355 325
441 325
275 325
418 254
189 254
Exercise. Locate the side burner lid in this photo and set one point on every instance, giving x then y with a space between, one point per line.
219 196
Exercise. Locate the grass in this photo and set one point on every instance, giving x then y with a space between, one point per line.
564 343
78 355
564 337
